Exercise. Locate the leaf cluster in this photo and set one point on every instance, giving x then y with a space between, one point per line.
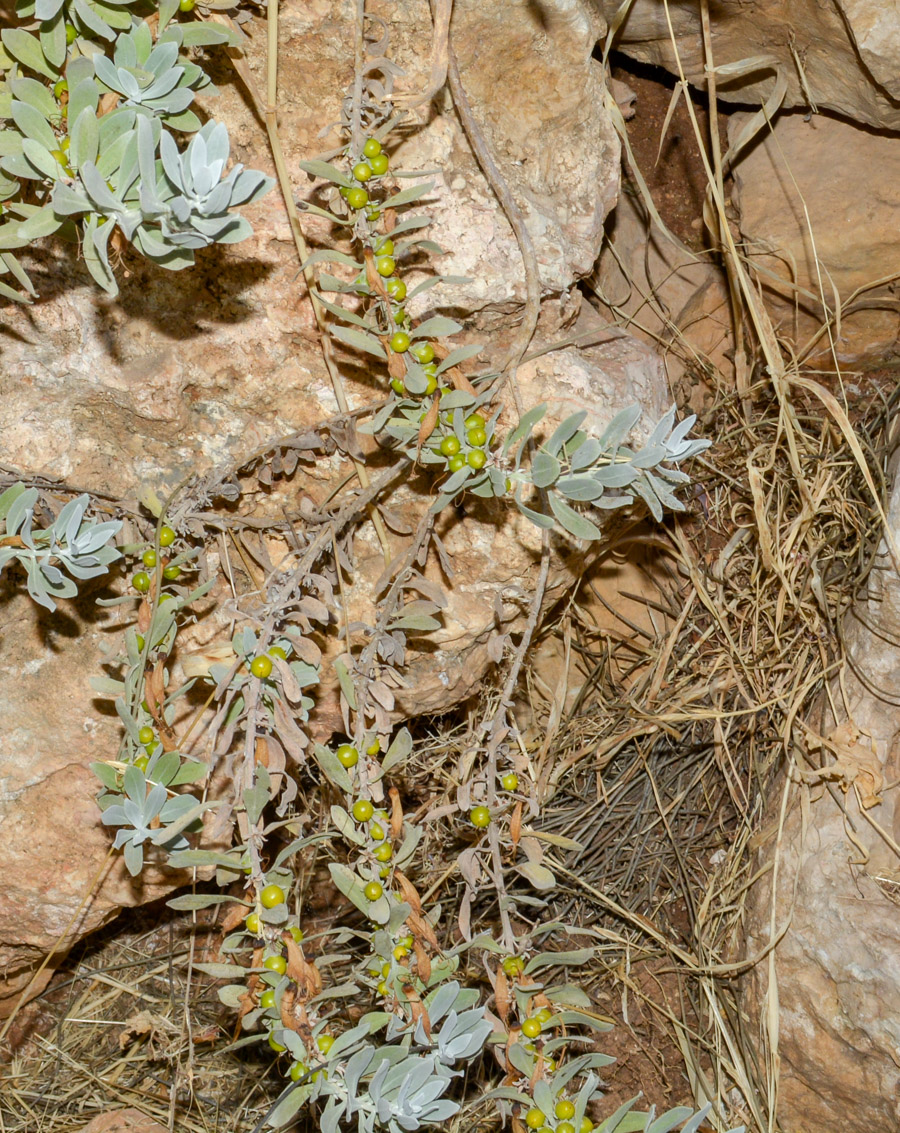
94 152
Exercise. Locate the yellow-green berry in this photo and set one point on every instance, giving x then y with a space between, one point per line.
271 896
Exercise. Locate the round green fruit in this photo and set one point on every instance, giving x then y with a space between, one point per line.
385 247
188 6
449 446
142 762
385 265
544 1016
374 747
362 171
267 999
166 536
383 853
146 734
379 164
586 1125
431 385
510 781
396 288
276 964
357 198
456 462
476 459
513 965
296 933
271 896
59 87
277 651
347 755
363 810
373 890
398 387
531 1028
476 436
141 581
172 572
278 1047
564 1109
253 924
534 1118
71 33
372 147
298 1069
400 953
376 832
373 214
400 342
325 1043
148 558
480 816
565 1127
422 352
261 666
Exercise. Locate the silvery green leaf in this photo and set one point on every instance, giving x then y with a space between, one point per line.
40 223
644 490
134 858
327 172
536 517
346 826
580 488
84 137
662 492
409 223
615 475
585 455
332 768
400 749
342 312
41 160
94 250
358 340
26 48
542 878
406 196
460 354
545 469
52 36
526 423
572 521
47 9
620 426
649 456
564 431
436 327
188 902
34 94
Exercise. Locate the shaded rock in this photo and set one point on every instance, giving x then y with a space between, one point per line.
838 964
126 1120
843 57
666 295
802 220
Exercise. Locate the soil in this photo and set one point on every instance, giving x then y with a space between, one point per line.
669 156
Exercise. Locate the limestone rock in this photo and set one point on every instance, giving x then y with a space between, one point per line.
800 172
669 296
843 56
838 965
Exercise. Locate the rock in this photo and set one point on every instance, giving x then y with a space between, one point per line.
843 57
186 372
665 295
53 843
126 1120
838 964
801 171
